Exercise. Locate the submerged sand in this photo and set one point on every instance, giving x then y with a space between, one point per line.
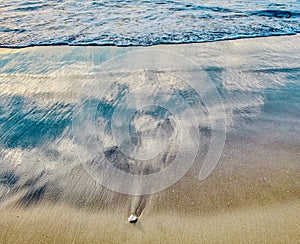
252 196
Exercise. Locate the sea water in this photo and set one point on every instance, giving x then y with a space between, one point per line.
145 22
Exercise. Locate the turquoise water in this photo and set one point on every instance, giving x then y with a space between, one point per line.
115 22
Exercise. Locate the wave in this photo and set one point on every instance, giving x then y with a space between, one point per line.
142 23
169 40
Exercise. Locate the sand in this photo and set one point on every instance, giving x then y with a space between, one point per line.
259 207
276 223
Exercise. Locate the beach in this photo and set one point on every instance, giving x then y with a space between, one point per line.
49 195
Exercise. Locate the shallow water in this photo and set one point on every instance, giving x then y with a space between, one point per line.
25 23
57 111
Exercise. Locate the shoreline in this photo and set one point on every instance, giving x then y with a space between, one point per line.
62 44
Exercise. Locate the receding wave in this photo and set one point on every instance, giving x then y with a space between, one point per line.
39 157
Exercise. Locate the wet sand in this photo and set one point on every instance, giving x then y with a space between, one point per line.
252 196
240 206
235 208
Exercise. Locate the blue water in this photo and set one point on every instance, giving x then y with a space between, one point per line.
145 22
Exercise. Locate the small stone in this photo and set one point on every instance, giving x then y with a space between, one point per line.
132 219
